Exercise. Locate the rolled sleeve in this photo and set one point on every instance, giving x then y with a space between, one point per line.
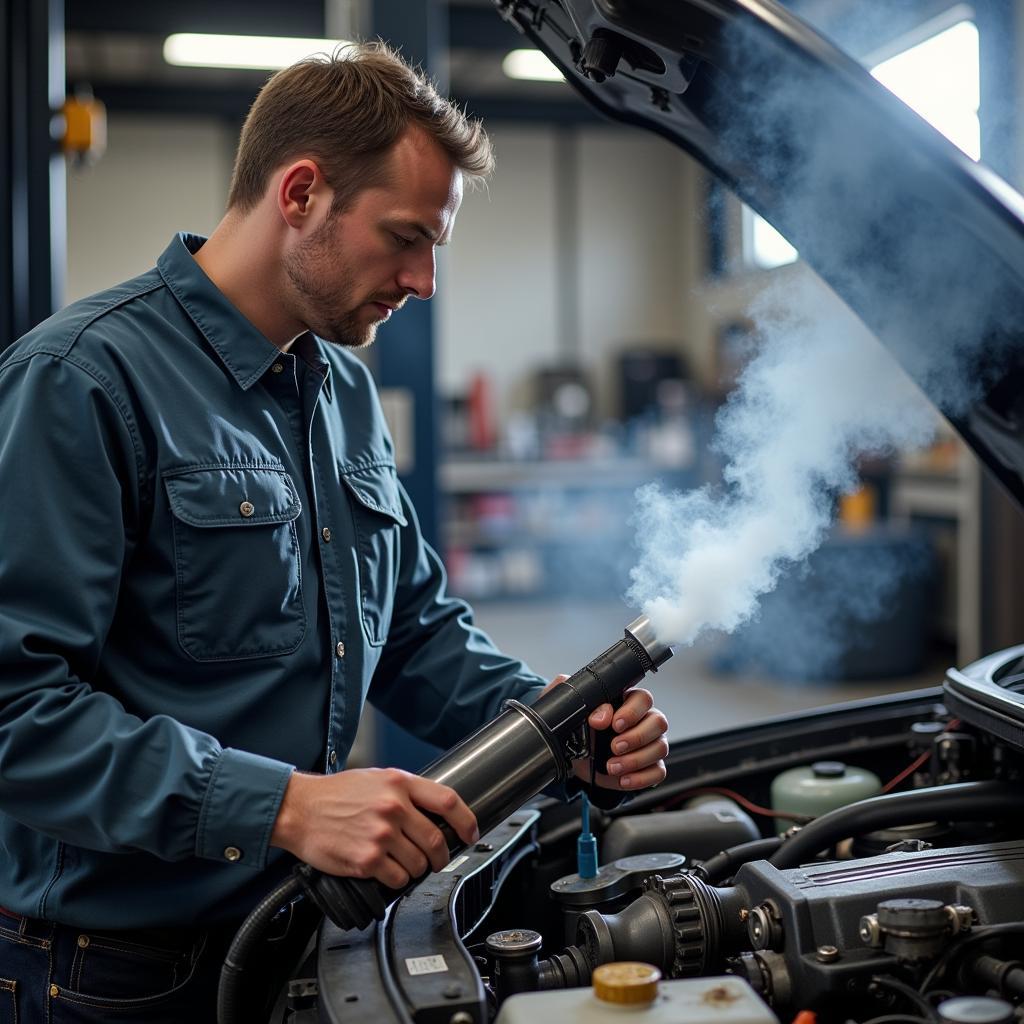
240 806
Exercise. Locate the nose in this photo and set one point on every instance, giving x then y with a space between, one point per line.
416 276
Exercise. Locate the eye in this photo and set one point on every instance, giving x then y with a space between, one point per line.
401 241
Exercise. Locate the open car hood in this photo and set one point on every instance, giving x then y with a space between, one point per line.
923 244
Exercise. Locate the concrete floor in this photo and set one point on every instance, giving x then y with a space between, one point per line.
555 638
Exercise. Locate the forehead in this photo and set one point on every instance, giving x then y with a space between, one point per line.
423 184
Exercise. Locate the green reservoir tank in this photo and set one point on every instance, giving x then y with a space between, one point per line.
816 789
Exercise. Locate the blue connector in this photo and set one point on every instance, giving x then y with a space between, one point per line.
586 845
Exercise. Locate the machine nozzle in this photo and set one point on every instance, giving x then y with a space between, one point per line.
641 630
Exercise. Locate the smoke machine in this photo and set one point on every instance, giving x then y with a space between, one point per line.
494 770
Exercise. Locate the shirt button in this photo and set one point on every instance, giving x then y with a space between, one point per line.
232 853
326 534
277 368
332 758
340 650
247 508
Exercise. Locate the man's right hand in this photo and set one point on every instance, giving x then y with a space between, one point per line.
369 823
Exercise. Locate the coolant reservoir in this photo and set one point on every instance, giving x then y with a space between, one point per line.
820 788
630 993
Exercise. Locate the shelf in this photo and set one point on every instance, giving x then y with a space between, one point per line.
469 476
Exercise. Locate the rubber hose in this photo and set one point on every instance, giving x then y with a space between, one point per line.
723 865
962 801
232 988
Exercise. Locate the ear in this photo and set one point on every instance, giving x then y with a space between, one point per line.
301 191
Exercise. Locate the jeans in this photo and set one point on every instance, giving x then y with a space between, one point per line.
56 974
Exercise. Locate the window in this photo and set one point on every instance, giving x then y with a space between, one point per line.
940 79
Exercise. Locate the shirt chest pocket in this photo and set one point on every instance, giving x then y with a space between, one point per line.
377 514
236 555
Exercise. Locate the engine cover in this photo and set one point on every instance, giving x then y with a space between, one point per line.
813 943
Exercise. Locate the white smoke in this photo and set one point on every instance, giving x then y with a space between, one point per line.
820 392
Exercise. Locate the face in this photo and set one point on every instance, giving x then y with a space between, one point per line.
351 271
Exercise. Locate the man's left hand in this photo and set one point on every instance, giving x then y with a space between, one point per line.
639 747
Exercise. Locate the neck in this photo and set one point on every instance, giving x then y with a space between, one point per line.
241 259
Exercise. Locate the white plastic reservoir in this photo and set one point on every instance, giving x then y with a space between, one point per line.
720 1000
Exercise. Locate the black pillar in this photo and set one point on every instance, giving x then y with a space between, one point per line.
32 217
404 353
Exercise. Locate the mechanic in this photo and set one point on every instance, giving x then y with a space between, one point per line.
207 564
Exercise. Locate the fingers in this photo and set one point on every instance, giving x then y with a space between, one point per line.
370 823
428 839
409 857
554 682
601 717
637 703
651 726
631 765
651 775
444 801
640 746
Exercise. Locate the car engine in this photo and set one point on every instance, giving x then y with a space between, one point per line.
904 905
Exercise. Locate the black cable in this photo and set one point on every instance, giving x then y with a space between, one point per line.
232 988
976 937
897 1018
962 801
907 992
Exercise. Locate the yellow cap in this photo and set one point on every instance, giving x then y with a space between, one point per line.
626 982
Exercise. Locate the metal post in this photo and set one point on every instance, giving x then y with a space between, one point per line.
404 353
33 221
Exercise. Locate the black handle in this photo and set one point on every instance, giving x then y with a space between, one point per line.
601 740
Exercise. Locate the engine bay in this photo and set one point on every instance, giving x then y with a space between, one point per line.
903 905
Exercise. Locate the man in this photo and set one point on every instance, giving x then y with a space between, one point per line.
207 563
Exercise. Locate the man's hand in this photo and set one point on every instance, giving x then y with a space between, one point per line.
638 749
369 823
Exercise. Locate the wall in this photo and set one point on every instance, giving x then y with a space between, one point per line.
497 304
502 284
159 175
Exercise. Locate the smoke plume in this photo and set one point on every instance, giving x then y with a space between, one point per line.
881 207
820 392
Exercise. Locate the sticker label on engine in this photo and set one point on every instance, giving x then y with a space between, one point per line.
455 863
425 964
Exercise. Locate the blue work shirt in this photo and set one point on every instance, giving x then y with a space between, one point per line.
207 563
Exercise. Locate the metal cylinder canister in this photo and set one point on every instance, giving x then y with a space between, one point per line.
812 790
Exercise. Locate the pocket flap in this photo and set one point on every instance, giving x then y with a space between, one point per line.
376 488
232 496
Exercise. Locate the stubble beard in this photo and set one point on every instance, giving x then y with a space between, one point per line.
326 311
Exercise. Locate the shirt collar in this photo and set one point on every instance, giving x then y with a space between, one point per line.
245 351
309 348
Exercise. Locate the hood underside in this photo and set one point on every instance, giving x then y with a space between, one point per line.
922 243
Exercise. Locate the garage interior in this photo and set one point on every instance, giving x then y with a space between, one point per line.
591 319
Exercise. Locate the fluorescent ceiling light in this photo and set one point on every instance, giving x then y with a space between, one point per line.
532 65
193 49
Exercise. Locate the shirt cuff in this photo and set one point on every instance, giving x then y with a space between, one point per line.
238 813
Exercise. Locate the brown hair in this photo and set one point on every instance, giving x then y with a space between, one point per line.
345 110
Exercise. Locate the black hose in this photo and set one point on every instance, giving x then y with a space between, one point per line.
896 1018
909 994
232 988
723 865
977 937
963 801
1005 976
